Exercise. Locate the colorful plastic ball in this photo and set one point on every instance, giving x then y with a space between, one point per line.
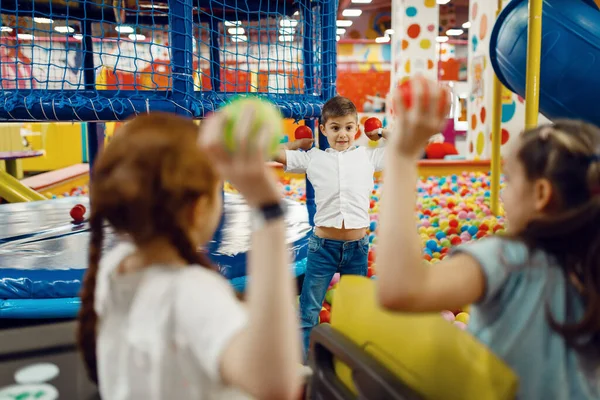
77 213
448 315
460 325
463 317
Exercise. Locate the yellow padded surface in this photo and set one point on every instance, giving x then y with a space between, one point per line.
433 357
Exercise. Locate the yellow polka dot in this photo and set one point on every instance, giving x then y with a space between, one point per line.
425 44
430 3
480 143
407 67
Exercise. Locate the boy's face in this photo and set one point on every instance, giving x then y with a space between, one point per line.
340 131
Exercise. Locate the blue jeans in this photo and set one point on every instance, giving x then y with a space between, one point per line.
325 258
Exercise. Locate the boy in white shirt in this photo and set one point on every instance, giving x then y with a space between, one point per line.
342 177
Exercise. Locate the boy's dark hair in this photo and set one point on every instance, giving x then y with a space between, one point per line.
336 107
567 154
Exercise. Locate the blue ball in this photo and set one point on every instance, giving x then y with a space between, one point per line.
464 228
371 237
473 230
432 244
440 235
373 226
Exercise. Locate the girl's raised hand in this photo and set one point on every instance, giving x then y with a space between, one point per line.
421 108
245 167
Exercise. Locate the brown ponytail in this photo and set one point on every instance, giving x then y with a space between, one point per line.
567 154
86 334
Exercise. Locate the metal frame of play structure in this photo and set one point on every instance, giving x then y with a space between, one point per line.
532 104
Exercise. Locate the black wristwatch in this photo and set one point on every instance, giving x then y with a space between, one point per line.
380 132
266 213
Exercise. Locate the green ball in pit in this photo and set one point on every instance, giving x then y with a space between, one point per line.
329 296
266 113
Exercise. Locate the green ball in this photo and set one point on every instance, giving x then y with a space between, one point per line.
266 113
329 296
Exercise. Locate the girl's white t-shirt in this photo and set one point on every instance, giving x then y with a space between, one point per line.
162 331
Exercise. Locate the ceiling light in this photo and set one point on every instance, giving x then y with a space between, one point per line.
25 36
41 20
454 32
297 13
442 2
361 1
6 29
288 23
239 38
124 29
133 36
350 12
337 38
236 31
286 38
389 32
78 36
441 39
382 39
64 29
343 23
467 25
340 31
233 23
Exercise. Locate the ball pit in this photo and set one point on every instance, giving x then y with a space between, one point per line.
450 211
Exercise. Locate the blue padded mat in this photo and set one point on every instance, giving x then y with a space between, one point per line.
43 255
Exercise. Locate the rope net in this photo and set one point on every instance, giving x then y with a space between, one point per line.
104 60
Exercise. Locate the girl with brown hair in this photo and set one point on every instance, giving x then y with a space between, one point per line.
157 321
536 292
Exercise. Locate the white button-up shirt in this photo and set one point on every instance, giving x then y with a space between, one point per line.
343 182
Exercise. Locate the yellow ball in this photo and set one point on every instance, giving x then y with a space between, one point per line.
463 317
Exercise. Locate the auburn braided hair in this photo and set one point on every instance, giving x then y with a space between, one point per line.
144 185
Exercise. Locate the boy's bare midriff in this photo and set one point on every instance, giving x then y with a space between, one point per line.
340 233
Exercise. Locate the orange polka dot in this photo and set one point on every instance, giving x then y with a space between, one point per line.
473 121
470 146
363 119
404 44
483 114
414 31
474 11
505 136
483 26
430 64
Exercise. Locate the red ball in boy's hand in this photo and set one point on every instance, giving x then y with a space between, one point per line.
78 213
372 124
303 132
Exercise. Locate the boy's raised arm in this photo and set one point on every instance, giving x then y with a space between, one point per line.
304 144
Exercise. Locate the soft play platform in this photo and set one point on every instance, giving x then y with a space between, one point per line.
43 255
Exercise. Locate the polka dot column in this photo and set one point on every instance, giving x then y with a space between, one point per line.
481 79
415 24
479 138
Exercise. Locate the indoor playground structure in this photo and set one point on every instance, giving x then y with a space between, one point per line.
92 64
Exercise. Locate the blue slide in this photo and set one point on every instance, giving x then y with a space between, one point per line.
570 64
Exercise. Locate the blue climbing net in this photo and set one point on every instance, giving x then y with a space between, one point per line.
105 60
